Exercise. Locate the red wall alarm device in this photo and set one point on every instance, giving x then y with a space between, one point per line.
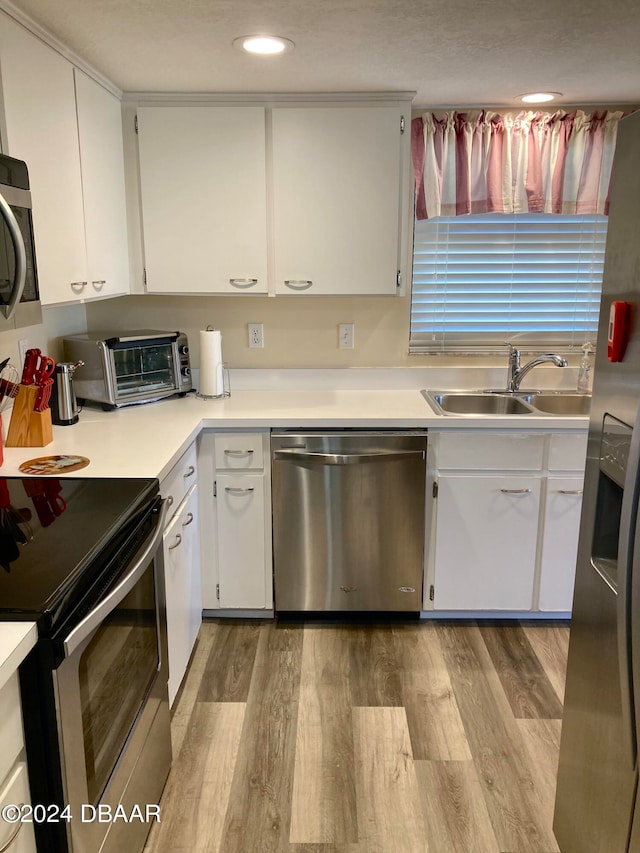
618 333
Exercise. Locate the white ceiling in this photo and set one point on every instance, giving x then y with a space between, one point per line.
451 52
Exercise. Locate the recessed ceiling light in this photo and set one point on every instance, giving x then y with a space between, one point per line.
540 97
263 45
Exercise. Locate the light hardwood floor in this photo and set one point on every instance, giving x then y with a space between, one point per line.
348 738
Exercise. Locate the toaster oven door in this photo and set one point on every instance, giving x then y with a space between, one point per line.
144 370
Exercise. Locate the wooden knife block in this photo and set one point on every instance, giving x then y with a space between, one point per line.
28 428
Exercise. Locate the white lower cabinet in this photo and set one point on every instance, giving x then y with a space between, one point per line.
182 564
486 542
506 518
241 534
14 780
560 542
237 572
16 837
182 574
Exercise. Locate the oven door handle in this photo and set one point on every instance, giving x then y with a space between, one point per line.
93 619
20 276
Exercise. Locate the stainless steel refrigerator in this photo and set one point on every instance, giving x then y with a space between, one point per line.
597 805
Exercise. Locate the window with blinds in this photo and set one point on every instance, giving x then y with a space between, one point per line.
480 280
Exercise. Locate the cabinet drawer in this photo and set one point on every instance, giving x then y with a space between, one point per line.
567 452
179 480
490 452
239 452
11 737
16 792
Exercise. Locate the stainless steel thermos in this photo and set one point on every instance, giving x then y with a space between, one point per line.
64 406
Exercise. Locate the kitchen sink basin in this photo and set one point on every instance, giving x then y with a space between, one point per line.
493 402
561 403
478 404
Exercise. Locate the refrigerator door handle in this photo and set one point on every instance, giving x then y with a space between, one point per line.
626 551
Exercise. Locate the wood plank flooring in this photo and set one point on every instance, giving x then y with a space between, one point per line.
358 738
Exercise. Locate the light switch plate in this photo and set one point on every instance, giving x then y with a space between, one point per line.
346 335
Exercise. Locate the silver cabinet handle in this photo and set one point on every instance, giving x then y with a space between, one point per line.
243 283
301 284
569 491
9 842
188 521
20 275
233 490
347 458
176 543
238 452
99 284
78 286
169 500
516 491
189 472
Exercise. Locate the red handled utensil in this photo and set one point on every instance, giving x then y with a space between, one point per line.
31 359
36 491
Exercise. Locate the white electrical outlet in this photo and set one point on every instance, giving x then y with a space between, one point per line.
346 335
256 335
23 346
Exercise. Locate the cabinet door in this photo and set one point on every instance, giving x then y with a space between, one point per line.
204 210
15 791
183 588
40 113
486 536
241 538
336 199
105 214
560 542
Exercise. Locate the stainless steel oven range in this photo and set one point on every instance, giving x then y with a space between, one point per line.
83 557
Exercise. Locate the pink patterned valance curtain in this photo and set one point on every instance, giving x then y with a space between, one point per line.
483 162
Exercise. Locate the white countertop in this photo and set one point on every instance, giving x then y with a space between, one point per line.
16 641
146 441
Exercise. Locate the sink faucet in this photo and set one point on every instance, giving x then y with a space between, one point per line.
517 373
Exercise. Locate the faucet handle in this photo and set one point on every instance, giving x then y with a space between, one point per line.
514 353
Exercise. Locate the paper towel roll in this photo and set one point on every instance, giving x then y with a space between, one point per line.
211 374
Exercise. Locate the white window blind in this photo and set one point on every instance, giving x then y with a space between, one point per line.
480 280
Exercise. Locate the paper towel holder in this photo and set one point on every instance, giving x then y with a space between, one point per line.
226 383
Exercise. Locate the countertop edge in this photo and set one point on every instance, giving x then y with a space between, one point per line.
16 641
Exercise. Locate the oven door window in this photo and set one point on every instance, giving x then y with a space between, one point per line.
143 368
116 671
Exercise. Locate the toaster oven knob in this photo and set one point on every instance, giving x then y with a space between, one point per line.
186 371
184 349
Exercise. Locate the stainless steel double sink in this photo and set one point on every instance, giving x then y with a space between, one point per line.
558 403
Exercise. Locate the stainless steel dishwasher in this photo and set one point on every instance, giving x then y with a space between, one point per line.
348 520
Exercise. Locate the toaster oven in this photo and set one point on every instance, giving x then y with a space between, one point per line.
128 368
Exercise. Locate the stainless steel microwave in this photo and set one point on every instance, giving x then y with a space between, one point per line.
126 368
19 296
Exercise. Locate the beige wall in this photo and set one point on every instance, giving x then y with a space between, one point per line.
47 336
298 331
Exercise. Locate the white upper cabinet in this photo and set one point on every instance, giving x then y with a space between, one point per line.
286 200
336 199
204 207
41 126
105 213
74 153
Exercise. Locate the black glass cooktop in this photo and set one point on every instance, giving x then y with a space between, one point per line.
53 535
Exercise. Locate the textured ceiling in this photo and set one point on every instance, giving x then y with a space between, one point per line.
451 52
